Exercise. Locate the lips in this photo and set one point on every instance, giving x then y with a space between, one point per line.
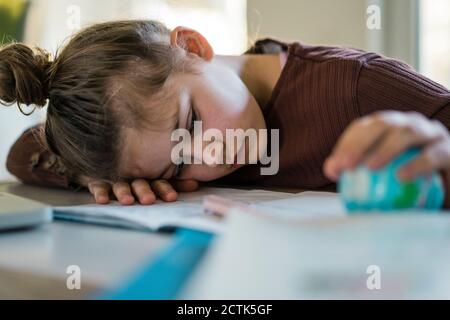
236 165
241 150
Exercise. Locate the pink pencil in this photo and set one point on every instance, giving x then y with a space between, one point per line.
220 206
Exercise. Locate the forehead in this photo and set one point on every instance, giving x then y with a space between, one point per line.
145 151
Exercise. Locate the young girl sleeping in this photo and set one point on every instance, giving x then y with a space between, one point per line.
117 91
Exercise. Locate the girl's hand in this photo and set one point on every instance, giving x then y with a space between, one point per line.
145 191
377 139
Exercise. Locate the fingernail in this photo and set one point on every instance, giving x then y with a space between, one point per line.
102 199
404 174
171 196
147 199
127 200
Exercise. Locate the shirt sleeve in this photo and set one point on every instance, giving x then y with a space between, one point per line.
32 163
268 46
388 84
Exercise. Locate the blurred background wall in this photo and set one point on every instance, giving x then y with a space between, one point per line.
416 31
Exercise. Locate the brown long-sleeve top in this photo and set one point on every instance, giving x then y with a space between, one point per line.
320 91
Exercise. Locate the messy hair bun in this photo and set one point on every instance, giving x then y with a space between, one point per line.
23 75
100 82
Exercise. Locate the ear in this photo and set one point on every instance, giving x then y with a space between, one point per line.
191 41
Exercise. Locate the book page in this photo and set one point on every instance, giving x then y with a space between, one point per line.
187 211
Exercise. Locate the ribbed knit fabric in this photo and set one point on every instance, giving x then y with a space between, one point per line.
320 91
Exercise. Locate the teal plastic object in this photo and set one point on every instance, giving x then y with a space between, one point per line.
363 189
164 276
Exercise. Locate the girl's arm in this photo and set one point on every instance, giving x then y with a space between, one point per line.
388 84
32 163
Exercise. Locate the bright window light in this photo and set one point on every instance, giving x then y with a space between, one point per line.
435 40
222 22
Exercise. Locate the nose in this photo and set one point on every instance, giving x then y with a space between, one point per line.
210 153
214 154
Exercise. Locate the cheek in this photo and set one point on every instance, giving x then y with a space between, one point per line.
224 117
227 110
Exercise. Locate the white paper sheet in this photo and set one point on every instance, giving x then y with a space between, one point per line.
260 257
305 205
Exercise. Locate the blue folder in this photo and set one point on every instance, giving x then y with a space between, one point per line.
164 276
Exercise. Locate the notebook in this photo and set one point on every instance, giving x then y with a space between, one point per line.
186 212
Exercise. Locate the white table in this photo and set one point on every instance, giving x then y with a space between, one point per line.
33 262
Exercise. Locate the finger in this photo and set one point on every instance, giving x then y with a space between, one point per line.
433 157
122 192
417 133
393 144
164 190
100 191
141 188
353 145
185 185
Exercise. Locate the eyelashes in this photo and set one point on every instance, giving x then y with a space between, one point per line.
194 118
178 170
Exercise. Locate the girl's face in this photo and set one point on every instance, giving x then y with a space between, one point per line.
219 99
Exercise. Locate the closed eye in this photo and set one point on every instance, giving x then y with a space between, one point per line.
193 117
191 121
177 170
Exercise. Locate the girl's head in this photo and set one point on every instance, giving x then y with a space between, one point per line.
117 90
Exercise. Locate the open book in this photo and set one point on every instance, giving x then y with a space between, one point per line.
187 211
